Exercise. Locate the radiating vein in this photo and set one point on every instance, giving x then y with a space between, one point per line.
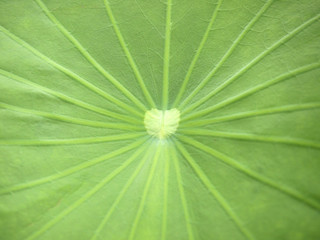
252 137
197 54
165 194
71 74
70 99
71 170
90 59
252 63
121 194
228 53
254 113
73 120
166 59
251 173
211 188
182 194
128 55
255 89
144 194
70 141
86 196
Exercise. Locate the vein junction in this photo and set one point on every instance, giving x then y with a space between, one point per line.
161 123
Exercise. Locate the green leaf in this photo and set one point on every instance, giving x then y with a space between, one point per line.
237 159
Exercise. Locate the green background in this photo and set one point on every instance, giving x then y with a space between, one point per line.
76 78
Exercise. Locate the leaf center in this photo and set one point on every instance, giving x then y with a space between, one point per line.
161 123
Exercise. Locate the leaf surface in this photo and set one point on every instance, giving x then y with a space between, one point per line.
77 78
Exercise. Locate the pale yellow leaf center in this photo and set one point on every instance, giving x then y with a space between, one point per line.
161 123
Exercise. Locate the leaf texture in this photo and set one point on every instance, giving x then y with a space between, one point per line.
78 76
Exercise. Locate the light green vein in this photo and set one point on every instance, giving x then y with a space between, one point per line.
128 55
252 63
71 74
71 141
90 59
252 137
290 74
70 99
71 170
257 176
228 53
78 121
121 194
144 194
254 113
86 196
166 58
165 193
198 52
205 180
182 194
